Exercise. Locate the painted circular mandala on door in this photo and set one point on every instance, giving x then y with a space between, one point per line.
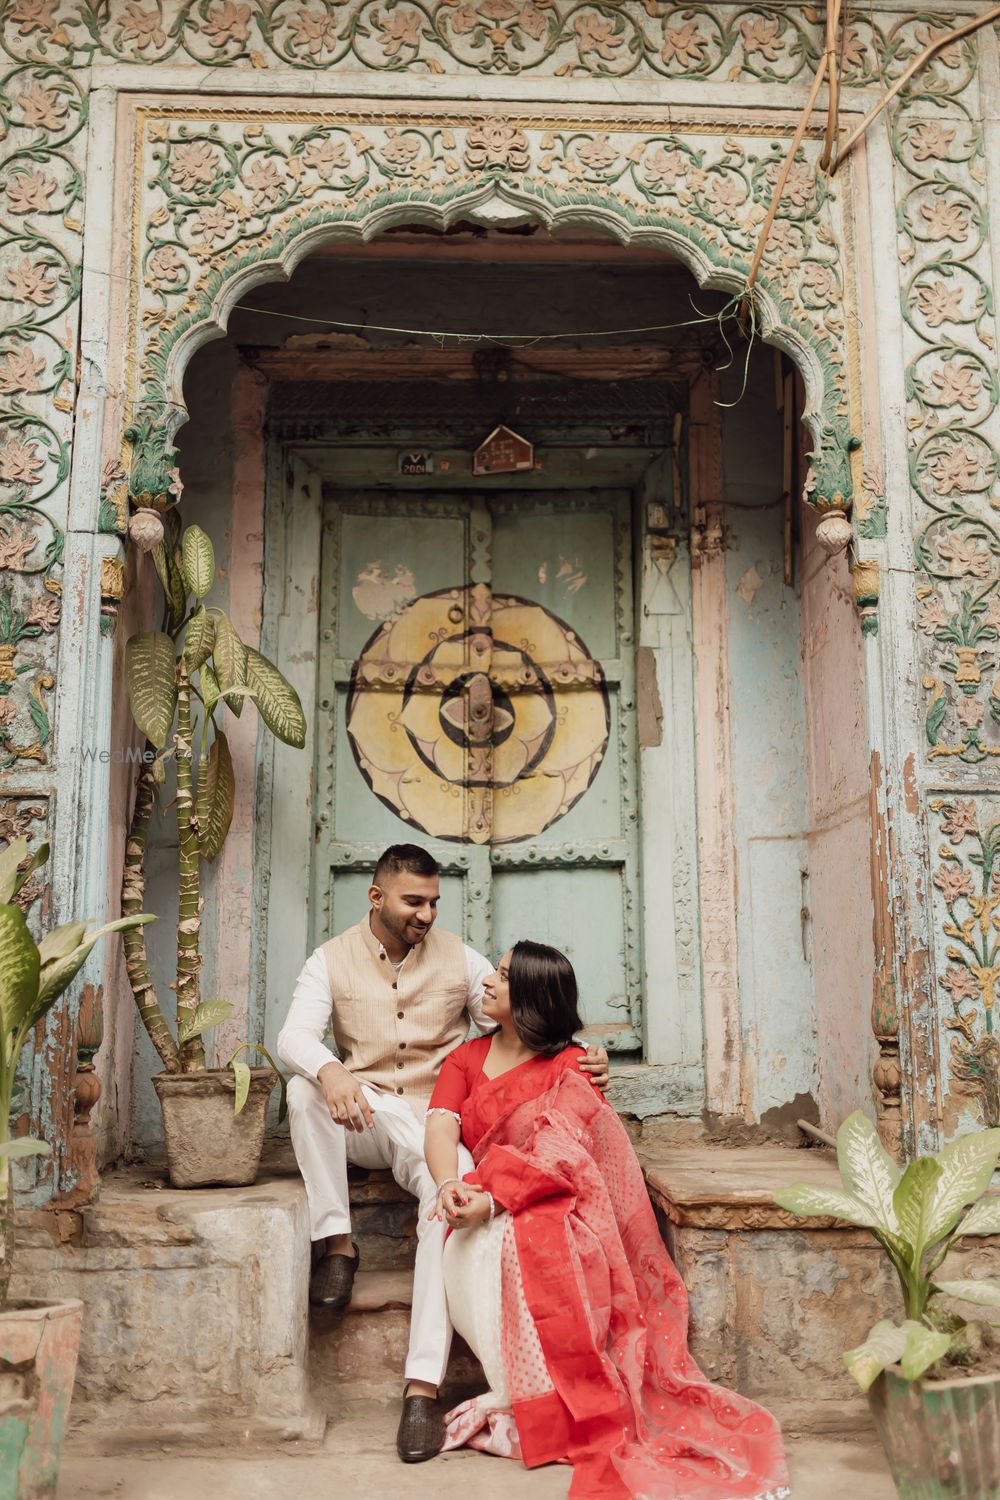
477 717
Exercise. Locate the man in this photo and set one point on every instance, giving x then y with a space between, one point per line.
399 996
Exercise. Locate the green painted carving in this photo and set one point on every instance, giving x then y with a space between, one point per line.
153 481
967 894
226 197
574 39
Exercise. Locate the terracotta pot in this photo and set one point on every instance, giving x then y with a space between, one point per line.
39 1343
941 1437
207 1144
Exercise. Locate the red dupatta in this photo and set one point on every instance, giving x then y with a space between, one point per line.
629 1407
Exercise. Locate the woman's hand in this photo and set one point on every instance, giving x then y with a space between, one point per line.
451 1197
475 1210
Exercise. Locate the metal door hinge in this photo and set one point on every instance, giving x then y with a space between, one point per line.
708 535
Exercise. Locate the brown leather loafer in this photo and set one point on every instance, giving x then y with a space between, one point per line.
332 1280
421 1430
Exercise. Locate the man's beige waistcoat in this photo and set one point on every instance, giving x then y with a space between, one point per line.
394 1028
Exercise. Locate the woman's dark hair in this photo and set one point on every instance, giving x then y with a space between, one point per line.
543 997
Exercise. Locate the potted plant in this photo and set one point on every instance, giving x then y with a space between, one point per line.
179 679
39 1341
933 1377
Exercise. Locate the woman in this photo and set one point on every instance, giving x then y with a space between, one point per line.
557 1277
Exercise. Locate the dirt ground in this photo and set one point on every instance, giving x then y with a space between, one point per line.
358 1457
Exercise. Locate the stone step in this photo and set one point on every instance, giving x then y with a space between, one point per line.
361 1352
383 1220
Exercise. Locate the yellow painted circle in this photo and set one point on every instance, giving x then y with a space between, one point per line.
477 717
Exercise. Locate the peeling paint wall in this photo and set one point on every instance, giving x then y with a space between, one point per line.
840 832
769 744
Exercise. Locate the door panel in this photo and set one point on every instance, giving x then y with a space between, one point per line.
476 686
580 912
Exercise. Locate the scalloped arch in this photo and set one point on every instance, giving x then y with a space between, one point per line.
188 297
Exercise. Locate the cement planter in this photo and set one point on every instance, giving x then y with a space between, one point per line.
39 1343
207 1144
941 1437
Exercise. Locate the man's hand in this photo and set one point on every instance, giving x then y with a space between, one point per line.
344 1097
596 1064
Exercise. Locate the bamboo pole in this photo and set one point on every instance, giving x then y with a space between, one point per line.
779 189
967 27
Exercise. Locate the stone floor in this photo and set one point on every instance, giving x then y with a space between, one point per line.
358 1458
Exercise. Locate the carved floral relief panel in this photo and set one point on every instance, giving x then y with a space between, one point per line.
42 118
222 196
952 412
965 836
572 39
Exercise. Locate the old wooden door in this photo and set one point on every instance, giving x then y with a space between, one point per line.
476 694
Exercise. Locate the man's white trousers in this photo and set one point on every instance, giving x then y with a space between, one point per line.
323 1150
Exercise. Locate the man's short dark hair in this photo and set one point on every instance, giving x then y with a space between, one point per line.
409 859
543 997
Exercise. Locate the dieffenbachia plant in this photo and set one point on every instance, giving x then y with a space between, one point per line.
196 658
916 1215
32 977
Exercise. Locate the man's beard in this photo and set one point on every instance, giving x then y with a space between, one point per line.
401 930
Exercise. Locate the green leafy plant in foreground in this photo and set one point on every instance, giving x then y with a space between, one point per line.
197 658
916 1215
32 978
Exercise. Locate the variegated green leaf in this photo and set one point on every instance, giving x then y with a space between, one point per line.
172 581
277 701
210 691
230 658
24 1145
19 970
60 941
199 638
924 1347
11 877
216 797
10 858
883 1347
982 1218
967 1166
152 684
208 1013
867 1170
984 1293
198 561
913 1204
57 975
242 1075
808 1202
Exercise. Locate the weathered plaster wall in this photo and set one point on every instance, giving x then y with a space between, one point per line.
839 898
769 754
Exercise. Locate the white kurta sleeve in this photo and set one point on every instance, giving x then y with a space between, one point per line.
300 1040
477 968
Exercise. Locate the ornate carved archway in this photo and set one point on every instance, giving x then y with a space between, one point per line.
228 197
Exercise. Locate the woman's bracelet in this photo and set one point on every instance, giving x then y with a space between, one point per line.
493 1208
448 1182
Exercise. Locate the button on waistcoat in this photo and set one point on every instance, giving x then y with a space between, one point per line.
394 1028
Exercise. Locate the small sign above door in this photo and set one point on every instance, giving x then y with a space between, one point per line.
503 452
419 462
